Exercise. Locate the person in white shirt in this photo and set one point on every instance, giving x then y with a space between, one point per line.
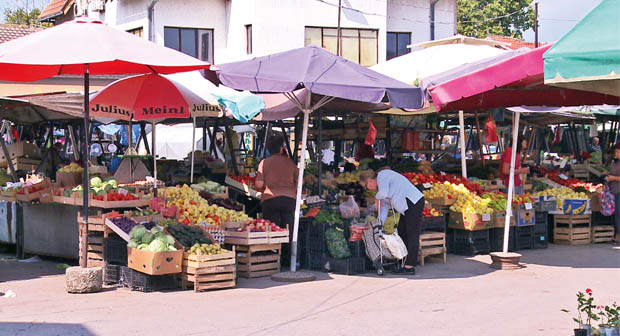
393 189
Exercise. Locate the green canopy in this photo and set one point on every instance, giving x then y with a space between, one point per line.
588 57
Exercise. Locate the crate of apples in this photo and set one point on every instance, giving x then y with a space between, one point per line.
431 212
261 225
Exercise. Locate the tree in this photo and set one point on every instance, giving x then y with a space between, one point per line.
21 16
479 18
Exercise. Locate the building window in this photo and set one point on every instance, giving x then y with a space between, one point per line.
397 44
139 32
248 39
358 45
194 42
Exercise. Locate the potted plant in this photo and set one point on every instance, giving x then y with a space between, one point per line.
585 308
609 320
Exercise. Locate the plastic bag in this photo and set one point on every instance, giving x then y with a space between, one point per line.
608 202
490 131
337 243
396 245
349 209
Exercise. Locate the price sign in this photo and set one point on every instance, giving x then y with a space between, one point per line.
486 217
563 177
563 164
546 161
427 185
442 173
252 174
528 206
122 191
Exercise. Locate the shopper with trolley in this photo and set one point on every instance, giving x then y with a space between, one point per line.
394 190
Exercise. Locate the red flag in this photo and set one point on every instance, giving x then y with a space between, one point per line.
372 134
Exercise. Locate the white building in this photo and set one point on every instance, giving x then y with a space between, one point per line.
222 31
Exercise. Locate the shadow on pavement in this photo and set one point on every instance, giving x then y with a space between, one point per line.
43 329
11 269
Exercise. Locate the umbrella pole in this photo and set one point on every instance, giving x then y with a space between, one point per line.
154 158
300 180
511 181
84 247
191 174
462 141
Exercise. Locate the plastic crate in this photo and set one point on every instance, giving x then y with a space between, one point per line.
545 206
524 237
112 274
433 224
115 251
315 262
135 280
470 243
541 222
496 239
357 249
539 241
348 266
599 219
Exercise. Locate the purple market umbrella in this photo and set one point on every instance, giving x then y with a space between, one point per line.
322 74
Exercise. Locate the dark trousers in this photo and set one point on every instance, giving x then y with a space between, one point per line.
409 230
280 210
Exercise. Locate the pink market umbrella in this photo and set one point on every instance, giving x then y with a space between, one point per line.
83 47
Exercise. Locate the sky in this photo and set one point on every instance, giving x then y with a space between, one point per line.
557 17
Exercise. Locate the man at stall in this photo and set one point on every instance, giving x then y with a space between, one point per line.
613 179
278 175
596 145
394 190
504 172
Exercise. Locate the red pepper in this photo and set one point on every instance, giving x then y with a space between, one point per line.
186 221
192 202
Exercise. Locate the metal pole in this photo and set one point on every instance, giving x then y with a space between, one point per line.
86 155
320 149
536 25
154 145
338 38
462 141
191 174
511 181
300 180
480 139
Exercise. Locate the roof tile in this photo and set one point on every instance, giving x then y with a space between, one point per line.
9 32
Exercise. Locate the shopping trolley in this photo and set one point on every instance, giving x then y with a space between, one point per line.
376 247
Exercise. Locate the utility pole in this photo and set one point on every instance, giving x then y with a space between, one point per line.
536 25
338 33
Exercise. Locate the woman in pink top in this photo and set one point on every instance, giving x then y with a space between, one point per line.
278 174
504 172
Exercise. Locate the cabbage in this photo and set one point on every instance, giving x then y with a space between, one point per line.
147 238
133 244
170 240
96 182
143 246
157 246
137 232
171 248
155 230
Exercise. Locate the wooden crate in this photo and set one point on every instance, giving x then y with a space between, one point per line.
95 249
580 171
248 237
251 263
96 223
572 229
29 196
432 244
445 201
209 272
602 233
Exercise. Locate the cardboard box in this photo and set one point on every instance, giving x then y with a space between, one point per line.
20 149
155 263
499 219
69 179
524 217
470 222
